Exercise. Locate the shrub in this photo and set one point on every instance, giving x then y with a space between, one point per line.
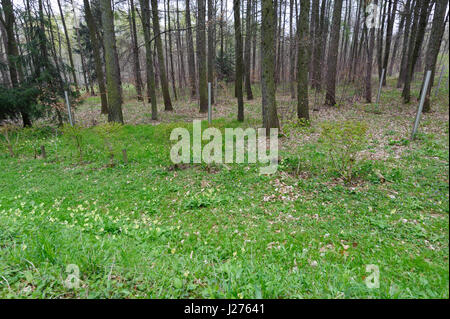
343 140
110 133
5 131
75 135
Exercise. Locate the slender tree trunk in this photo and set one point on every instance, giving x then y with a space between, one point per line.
76 28
330 98
69 47
239 64
397 42
406 93
172 69
134 42
303 61
97 58
437 31
408 28
268 45
317 56
248 36
12 51
380 38
112 76
151 92
211 45
390 27
160 51
201 56
370 49
182 75
191 55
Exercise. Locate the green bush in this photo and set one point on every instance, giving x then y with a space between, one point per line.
6 131
110 134
74 134
343 140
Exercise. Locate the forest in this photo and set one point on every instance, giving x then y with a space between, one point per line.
351 95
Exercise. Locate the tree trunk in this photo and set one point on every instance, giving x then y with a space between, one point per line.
13 53
69 48
437 31
191 55
248 36
330 98
97 59
134 42
390 27
408 28
303 61
159 48
380 39
112 76
238 54
211 45
268 47
151 92
416 45
369 63
201 56
172 70
181 72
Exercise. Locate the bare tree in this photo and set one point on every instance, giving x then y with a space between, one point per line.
330 97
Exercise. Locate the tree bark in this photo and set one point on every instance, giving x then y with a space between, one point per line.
238 55
389 29
408 28
151 92
112 76
69 47
416 45
369 63
201 56
160 51
248 36
12 51
437 31
134 43
191 55
330 98
211 45
303 61
97 58
268 49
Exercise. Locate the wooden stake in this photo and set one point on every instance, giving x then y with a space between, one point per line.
43 153
125 156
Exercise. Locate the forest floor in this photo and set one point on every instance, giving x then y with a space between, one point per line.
148 229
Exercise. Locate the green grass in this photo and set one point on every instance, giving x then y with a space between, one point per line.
147 230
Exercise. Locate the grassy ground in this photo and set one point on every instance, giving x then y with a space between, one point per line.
148 229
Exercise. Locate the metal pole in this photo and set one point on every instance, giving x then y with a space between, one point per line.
379 87
209 103
68 108
439 83
422 99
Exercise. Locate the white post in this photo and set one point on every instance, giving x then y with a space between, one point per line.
68 108
209 103
379 87
422 99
